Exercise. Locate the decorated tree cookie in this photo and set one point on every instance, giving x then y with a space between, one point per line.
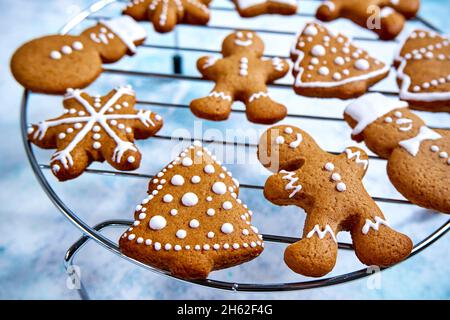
166 14
192 222
95 129
52 64
329 188
384 17
242 74
424 71
327 64
253 8
418 157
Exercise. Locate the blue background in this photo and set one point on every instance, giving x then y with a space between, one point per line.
34 236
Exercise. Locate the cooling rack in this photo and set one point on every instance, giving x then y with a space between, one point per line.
95 232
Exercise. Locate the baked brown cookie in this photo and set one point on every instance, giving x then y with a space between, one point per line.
329 188
192 222
328 65
95 129
166 14
384 17
423 73
241 75
253 8
418 157
52 64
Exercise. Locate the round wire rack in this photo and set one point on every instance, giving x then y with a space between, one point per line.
95 232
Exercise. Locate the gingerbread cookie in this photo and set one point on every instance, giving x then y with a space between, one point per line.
418 157
329 188
424 71
327 64
95 129
166 14
241 75
384 17
52 64
253 8
192 222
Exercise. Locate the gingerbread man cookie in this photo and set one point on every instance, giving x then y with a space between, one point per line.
166 14
95 129
418 157
241 75
424 71
52 64
253 8
327 64
384 17
192 222
329 188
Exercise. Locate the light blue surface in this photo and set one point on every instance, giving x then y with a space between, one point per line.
35 236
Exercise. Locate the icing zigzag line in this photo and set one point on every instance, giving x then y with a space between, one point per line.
374 225
220 95
258 95
290 176
321 234
357 154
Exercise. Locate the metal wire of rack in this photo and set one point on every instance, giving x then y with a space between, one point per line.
94 232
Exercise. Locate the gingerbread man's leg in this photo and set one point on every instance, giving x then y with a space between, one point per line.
375 243
216 106
314 255
261 108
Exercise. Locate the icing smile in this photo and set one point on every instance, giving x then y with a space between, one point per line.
404 121
244 40
243 43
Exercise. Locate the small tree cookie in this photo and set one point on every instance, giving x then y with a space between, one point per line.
95 129
166 14
192 222
424 71
52 64
418 157
384 17
241 75
329 188
327 64
253 8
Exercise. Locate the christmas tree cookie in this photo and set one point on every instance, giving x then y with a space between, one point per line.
166 14
423 71
327 64
192 221
95 128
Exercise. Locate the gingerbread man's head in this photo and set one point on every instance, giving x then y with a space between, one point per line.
285 148
381 122
242 41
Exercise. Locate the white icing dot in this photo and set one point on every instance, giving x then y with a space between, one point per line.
209 168
219 188
77 45
314 61
148 242
168 198
311 30
195 179
142 216
346 72
227 228
157 223
96 145
173 212
279 140
337 76
96 129
398 114
113 122
318 50
121 126
210 212
194 223
336 177
341 187
388 119
443 154
245 232
189 199
236 246
177 180
140 239
168 246
131 159
66 50
131 236
362 64
339 61
157 246
209 198
177 247
138 207
62 135
187 162
324 71
56 55
56 168
227 205
181 234
216 246
288 130
329 166
434 148
210 235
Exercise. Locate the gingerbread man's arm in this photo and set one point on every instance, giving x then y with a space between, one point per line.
196 12
330 10
283 188
357 158
408 8
275 68
208 67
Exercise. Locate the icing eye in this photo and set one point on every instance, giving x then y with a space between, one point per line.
239 34
388 119
250 35
398 114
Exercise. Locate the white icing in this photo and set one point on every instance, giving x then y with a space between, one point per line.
291 184
168 198
318 50
181 234
362 64
157 222
177 180
195 179
329 166
288 130
311 30
227 205
279 140
373 225
369 108
220 95
243 67
194 223
209 168
341 187
187 162
128 30
189 199
246 4
321 234
294 144
227 228
358 160
258 95
413 145
219 188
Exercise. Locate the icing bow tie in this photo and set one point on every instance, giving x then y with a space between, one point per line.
412 145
